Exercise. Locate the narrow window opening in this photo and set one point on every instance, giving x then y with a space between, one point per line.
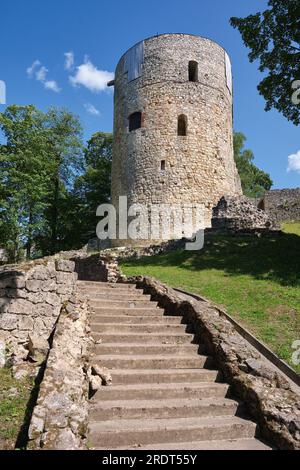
163 165
193 71
182 125
135 121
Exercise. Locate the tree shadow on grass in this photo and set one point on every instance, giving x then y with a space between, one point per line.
274 258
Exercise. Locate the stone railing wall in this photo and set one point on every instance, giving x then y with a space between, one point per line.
266 393
60 417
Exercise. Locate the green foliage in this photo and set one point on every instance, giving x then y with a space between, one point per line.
256 279
64 135
39 162
24 179
93 187
254 181
50 186
274 39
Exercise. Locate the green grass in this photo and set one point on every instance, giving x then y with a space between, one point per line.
14 396
256 279
291 227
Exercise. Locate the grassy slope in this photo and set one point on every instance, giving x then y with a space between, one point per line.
256 279
14 396
292 227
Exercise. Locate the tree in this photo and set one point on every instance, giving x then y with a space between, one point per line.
93 187
42 157
64 136
254 181
274 39
24 178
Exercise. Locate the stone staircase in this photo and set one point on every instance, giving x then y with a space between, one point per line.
166 393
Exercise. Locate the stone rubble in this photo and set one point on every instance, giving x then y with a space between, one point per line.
239 213
38 349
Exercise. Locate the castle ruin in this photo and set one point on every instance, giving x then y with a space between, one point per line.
173 132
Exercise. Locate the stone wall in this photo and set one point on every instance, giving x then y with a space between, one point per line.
266 393
240 214
31 297
198 168
282 204
90 268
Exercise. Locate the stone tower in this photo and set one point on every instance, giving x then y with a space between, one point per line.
173 134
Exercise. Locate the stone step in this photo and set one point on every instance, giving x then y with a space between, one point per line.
126 304
117 433
136 328
110 291
139 349
173 408
222 444
123 296
125 311
153 312
156 391
135 319
191 361
129 289
138 338
160 376
108 285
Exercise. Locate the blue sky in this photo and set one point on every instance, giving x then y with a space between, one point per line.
98 32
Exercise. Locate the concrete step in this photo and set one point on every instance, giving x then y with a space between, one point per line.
132 337
153 362
139 349
131 304
173 408
106 317
117 433
223 444
156 391
161 376
136 328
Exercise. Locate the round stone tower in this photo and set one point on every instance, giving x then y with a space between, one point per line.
173 134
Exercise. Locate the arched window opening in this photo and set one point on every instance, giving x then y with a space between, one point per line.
182 125
193 71
135 121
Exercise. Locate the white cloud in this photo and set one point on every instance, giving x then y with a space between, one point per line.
90 77
52 85
69 60
30 70
39 72
294 162
91 109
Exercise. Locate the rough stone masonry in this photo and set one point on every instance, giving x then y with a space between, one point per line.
173 136
31 297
